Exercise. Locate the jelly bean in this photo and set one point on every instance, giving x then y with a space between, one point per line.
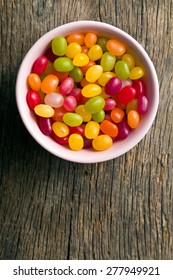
129 60
123 129
77 129
76 37
132 105
80 59
102 42
102 142
122 70
133 119
84 49
60 140
125 83
126 94
90 39
76 92
50 55
75 142
49 83
87 143
91 130
91 90
117 114
33 99
34 81
108 61
66 86
99 116
115 47
40 65
58 114
44 110
143 104
73 49
45 125
81 110
54 100
136 73
61 75
49 68
70 103
109 128
109 104
87 66
60 129
63 64
76 74
105 77
84 83
113 86
59 45
95 104
72 119
93 73
119 104
95 52
140 87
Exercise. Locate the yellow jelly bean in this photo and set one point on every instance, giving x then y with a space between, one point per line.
82 111
95 52
60 129
92 129
73 49
104 94
93 73
129 60
91 90
44 111
76 142
80 59
102 142
105 77
136 73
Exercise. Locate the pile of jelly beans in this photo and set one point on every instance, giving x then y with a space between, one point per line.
87 91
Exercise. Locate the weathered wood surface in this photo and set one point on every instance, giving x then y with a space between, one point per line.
54 209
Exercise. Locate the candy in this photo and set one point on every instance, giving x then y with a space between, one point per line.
87 91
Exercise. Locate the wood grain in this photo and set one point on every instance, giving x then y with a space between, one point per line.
54 209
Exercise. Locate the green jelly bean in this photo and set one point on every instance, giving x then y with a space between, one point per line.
63 64
59 45
122 70
99 116
108 61
95 104
102 42
72 119
76 74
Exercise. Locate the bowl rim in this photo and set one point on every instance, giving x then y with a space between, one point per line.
99 156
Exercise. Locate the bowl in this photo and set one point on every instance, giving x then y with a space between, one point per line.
88 155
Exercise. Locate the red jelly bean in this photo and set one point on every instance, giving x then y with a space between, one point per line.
140 87
113 86
126 94
60 140
33 99
40 64
66 86
45 125
50 55
77 129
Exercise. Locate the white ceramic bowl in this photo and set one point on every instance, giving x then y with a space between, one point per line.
85 155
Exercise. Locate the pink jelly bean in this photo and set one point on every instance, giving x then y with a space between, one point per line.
70 103
54 99
109 104
76 92
123 129
33 99
45 125
66 86
140 87
142 104
126 94
40 64
113 86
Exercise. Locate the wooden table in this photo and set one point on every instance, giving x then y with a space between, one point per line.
54 209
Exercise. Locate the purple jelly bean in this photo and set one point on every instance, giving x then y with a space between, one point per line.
113 86
142 104
45 125
123 129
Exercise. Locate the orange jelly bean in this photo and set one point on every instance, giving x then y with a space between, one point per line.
76 37
109 128
49 83
86 67
133 119
90 39
34 81
115 47
117 115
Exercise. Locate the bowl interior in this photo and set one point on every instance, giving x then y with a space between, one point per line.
119 147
